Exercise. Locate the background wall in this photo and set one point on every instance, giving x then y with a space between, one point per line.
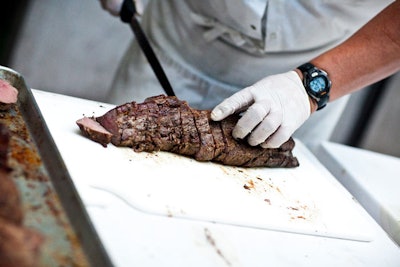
74 46
383 133
70 46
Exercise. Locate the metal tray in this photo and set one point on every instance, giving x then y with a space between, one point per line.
50 201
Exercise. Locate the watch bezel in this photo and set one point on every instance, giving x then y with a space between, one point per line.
311 72
313 76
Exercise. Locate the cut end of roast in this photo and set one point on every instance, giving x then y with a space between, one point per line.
94 130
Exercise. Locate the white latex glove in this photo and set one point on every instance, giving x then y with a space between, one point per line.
112 6
277 106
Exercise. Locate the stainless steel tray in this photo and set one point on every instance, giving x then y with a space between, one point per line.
50 201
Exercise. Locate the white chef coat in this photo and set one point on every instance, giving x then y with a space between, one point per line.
210 49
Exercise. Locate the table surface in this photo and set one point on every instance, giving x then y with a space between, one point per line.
372 178
149 210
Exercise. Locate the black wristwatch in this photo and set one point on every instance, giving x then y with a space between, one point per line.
317 84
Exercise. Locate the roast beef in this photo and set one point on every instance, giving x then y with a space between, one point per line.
8 95
19 245
168 124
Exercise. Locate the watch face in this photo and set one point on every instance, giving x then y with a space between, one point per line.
318 84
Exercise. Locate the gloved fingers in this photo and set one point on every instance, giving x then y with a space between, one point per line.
266 128
232 104
112 6
250 119
278 138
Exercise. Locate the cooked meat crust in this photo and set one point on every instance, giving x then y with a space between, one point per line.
168 124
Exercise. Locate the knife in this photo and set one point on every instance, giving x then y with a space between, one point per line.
128 14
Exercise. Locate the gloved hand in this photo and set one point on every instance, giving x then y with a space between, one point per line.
112 6
277 106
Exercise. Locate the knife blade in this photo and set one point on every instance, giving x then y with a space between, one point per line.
128 14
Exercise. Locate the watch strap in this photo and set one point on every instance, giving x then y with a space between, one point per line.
323 100
306 69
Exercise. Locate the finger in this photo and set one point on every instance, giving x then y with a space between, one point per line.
250 119
266 128
232 104
278 138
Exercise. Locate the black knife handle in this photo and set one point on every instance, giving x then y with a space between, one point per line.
151 57
127 15
128 10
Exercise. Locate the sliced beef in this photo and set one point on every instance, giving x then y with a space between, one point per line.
10 201
117 120
236 152
94 130
134 130
207 145
151 133
19 245
4 145
8 93
169 124
219 139
190 141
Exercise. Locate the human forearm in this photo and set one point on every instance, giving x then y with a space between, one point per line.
278 105
371 54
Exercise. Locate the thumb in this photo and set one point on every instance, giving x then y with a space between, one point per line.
232 104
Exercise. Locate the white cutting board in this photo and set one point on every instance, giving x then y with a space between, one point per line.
304 200
373 178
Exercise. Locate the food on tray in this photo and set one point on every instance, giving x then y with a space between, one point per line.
19 245
8 94
168 124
